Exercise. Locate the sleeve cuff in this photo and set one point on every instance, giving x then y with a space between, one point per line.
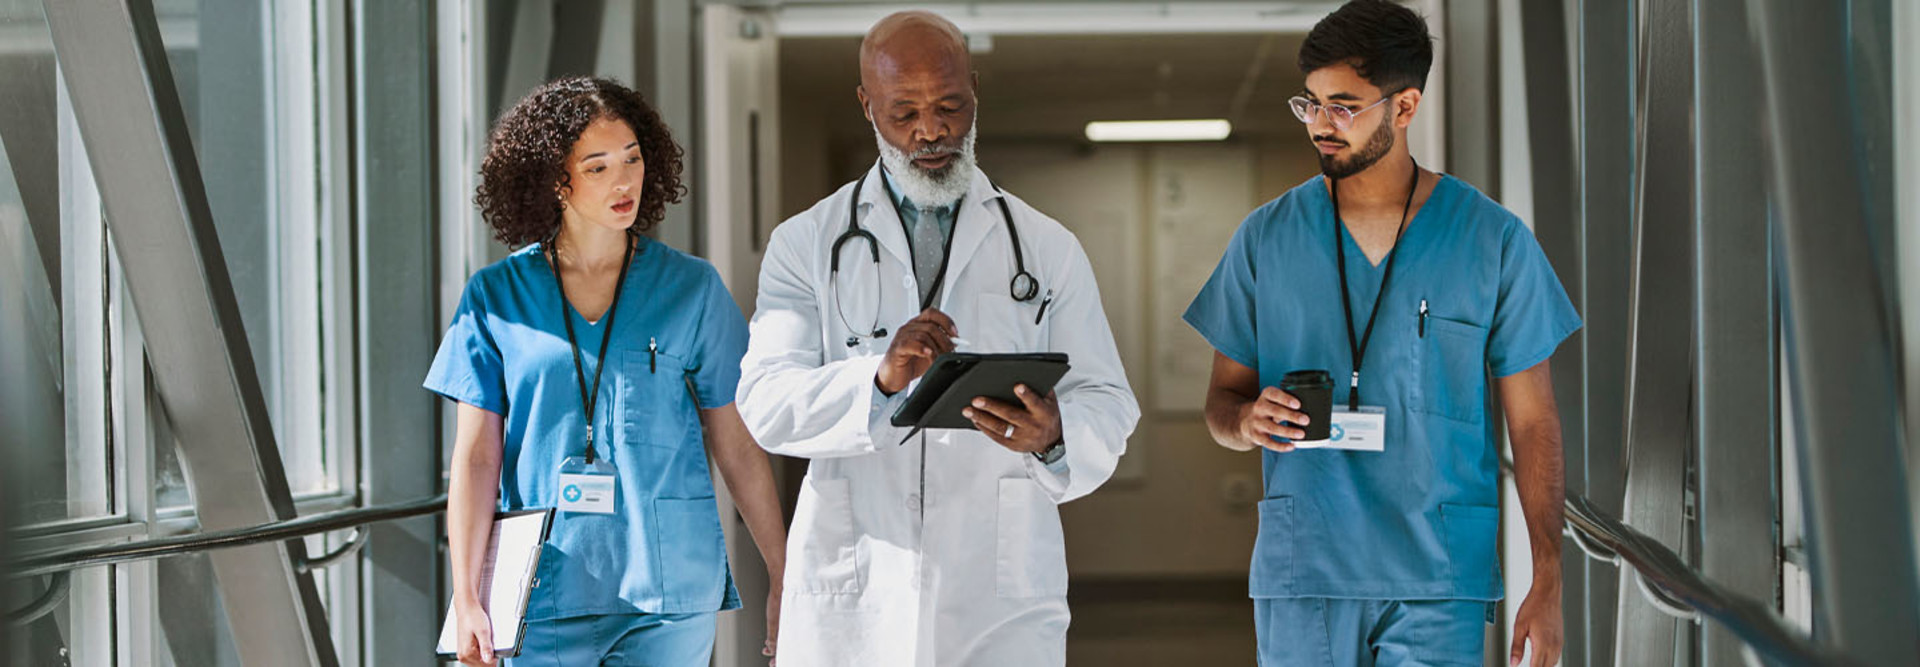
880 408
1054 478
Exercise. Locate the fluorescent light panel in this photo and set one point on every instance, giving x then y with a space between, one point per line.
1213 129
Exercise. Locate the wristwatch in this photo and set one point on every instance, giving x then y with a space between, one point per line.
1053 454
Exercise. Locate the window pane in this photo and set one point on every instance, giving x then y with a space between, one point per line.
230 78
53 289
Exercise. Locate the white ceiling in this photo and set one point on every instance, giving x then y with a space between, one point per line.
1050 86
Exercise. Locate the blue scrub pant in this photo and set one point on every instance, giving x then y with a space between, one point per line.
654 640
1364 633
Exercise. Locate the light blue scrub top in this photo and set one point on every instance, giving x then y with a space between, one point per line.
507 352
1419 520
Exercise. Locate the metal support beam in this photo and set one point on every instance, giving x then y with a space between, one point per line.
1608 151
1560 230
1660 377
1473 81
396 263
575 48
1839 342
1733 291
671 55
28 133
137 140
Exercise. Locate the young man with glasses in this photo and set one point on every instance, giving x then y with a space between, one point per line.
1377 542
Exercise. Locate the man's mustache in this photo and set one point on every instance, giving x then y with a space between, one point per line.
1328 139
931 150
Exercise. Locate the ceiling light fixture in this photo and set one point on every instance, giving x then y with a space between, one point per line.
1213 129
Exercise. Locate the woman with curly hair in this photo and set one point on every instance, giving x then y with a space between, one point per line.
594 371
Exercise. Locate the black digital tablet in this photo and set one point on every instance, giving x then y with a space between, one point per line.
957 377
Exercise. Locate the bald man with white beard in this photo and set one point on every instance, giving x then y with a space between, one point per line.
942 547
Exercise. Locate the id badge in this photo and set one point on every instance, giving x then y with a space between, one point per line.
587 487
1363 431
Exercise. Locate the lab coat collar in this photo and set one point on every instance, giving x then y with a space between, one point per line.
979 216
879 218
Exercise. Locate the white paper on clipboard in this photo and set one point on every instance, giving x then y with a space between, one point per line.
506 580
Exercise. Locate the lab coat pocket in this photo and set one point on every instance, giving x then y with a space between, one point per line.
1030 554
1472 541
1272 569
1454 365
656 408
827 554
1000 324
691 553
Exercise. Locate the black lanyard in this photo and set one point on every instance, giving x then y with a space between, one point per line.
1358 347
589 399
946 252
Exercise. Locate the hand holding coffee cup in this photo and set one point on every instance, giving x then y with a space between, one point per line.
1267 421
1314 392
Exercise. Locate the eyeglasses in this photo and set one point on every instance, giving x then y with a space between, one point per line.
1340 116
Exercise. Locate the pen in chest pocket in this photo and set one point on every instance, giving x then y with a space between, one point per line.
1423 318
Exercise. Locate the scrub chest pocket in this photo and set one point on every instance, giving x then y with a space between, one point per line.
657 408
1453 370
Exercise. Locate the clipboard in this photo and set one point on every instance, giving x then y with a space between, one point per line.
955 378
513 558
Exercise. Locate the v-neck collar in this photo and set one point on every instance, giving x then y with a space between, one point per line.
1346 235
640 248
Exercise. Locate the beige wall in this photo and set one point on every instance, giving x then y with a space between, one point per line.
1181 505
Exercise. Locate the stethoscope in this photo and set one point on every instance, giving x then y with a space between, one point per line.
1023 287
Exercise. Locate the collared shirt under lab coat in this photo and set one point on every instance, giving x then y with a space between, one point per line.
946 550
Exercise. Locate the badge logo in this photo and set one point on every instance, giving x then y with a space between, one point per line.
1336 433
571 493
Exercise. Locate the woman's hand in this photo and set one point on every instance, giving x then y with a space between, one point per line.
473 633
772 647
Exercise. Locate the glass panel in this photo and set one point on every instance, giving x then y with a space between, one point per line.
52 293
170 490
232 81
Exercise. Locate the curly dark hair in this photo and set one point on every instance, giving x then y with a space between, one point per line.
526 157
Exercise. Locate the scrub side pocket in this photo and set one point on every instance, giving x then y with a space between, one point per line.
1272 569
692 554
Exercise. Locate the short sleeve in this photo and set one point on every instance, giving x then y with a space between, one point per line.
1223 311
468 367
720 341
1533 314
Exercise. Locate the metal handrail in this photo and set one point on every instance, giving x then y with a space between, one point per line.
1678 590
64 560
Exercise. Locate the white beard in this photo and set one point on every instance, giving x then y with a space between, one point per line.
937 188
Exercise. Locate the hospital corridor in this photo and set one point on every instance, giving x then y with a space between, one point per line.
356 333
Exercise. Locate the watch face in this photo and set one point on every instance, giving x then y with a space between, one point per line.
1059 449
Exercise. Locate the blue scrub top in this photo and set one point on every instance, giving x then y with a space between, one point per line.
1419 520
507 352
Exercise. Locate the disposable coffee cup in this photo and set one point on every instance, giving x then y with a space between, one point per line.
1314 389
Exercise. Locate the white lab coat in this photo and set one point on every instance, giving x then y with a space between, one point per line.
946 550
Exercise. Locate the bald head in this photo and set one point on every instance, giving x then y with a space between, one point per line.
905 41
917 86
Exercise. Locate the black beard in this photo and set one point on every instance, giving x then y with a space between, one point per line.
1377 147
